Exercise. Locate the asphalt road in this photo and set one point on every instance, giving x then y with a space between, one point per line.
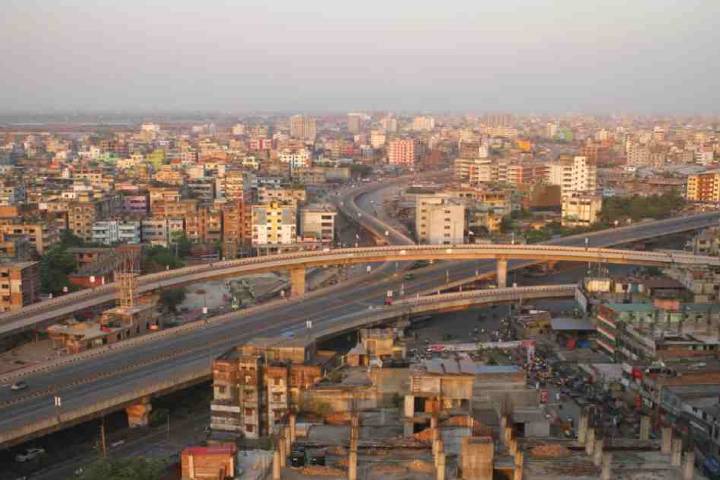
109 375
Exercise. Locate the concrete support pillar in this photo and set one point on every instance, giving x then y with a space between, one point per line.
519 461
666 441
582 428
590 441
276 465
292 420
139 413
676 452
689 466
297 281
433 422
440 468
606 469
502 272
512 446
283 452
598 451
645 427
352 465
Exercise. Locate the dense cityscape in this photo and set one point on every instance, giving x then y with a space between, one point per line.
374 241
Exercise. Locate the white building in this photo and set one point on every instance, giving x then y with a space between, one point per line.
581 210
318 222
576 174
274 224
439 219
377 139
296 159
105 232
423 124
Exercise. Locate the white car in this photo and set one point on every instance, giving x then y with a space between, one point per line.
29 454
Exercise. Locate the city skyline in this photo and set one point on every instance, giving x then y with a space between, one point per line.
516 56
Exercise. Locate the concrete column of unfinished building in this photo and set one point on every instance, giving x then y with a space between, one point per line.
477 456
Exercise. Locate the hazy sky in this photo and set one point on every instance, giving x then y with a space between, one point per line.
641 56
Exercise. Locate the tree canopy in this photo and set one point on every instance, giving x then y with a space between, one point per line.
124 469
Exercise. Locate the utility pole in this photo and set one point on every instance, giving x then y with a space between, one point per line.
103 445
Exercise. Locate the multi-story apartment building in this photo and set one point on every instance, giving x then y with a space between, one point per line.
377 138
255 385
19 285
295 158
83 214
439 219
273 224
175 209
289 195
581 209
237 228
163 194
401 152
643 331
573 174
303 127
704 187
318 223
161 231
41 235
423 124
233 186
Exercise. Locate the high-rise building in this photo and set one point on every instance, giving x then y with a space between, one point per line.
303 127
377 138
401 151
573 175
423 124
389 124
704 187
355 122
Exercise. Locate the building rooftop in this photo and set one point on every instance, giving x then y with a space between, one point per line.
441 366
571 323
631 307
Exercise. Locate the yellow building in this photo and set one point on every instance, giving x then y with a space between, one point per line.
704 187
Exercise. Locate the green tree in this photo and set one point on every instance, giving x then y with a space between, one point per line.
55 266
360 170
181 244
172 297
158 258
137 468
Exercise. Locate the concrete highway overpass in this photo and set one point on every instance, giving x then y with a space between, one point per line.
168 360
297 263
34 424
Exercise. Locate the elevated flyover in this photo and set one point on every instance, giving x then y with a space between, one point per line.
168 360
37 423
296 263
